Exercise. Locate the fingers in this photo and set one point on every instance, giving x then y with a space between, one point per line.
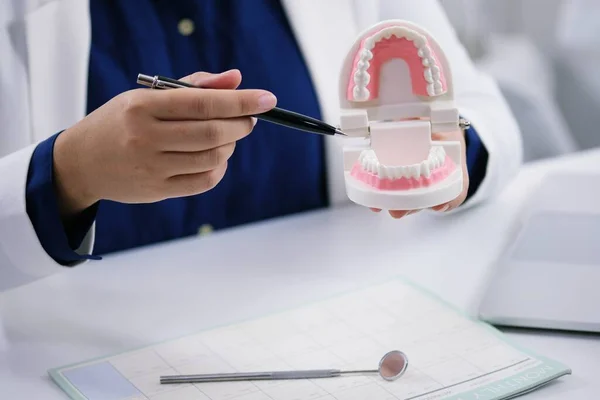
194 136
180 163
451 205
205 104
442 207
226 80
192 184
397 214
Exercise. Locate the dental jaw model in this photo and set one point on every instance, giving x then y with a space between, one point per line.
395 92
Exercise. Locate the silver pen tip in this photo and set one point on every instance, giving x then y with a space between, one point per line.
338 131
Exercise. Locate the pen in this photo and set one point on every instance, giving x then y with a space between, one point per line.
276 115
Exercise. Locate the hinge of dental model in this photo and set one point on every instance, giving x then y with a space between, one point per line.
463 124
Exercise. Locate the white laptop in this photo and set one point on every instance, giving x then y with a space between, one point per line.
549 275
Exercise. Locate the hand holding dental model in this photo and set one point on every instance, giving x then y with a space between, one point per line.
396 92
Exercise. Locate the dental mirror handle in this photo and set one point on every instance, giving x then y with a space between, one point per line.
275 375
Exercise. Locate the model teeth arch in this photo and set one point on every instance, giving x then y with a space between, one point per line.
431 70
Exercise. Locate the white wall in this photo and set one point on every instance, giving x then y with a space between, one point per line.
575 87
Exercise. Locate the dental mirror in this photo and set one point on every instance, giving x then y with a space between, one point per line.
391 367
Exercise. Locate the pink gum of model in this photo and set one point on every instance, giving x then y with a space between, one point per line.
371 179
388 49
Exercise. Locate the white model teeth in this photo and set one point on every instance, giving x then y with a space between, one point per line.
430 89
428 76
366 54
360 93
431 71
419 41
426 169
362 78
436 158
424 52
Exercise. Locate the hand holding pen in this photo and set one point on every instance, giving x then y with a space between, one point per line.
275 115
145 146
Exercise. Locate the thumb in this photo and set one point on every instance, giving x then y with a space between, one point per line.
226 80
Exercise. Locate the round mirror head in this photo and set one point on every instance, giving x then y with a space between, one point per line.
393 365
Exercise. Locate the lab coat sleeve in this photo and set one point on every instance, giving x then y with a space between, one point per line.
477 96
22 257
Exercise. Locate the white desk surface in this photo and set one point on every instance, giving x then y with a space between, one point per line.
152 294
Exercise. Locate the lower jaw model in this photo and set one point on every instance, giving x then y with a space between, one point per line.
434 169
397 106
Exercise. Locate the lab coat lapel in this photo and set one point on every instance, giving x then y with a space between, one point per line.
58 36
324 31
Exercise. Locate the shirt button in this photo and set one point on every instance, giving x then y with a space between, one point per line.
186 27
205 229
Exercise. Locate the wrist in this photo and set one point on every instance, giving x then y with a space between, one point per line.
70 181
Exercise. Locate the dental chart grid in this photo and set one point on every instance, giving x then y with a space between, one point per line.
448 354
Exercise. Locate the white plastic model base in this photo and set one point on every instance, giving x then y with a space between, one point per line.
361 193
396 91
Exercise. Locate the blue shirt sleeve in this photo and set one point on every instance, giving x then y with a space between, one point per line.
477 160
59 238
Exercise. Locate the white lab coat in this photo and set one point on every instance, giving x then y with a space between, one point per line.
44 47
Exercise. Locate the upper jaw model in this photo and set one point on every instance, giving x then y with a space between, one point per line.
396 91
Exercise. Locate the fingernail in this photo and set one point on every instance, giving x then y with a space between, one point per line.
254 121
266 102
228 71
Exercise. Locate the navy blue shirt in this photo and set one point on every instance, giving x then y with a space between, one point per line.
275 171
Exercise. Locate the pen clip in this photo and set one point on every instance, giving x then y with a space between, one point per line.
161 82
147 80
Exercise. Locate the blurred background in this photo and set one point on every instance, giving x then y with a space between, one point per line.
543 53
